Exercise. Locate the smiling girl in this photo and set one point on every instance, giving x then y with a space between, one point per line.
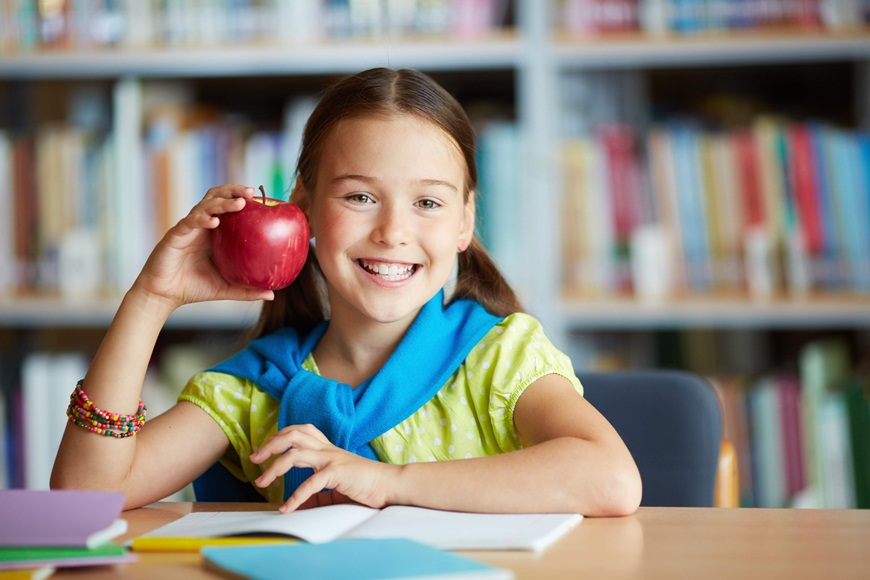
398 368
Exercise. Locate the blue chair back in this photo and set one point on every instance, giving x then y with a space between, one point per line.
671 422
218 484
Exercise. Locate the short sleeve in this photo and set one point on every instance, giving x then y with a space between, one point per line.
511 357
247 415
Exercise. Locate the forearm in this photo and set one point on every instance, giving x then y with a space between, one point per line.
113 383
562 475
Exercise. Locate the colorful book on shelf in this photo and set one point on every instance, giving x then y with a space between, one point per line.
768 460
850 210
857 395
574 248
8 279
441 529
686 159
500 171
663 183
805 184
728 210
360 559
766 132
824 370
45 383
797 270
589 234
862 266
792 436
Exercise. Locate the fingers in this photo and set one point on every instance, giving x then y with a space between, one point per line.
320 499
218 201
292 436
308 494
293 446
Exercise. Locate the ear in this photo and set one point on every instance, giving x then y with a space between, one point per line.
299 195
466 233
302 198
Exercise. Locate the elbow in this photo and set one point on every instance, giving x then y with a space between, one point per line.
619 493
627 491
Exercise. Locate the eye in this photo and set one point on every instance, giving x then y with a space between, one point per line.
360 198
428 204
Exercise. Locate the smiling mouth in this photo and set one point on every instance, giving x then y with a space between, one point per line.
386 271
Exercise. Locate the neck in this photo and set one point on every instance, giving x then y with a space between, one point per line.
352 351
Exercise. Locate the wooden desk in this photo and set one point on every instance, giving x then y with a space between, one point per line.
708 543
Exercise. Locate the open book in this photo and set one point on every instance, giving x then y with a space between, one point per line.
441 529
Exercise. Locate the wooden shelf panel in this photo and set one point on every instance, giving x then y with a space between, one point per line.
847 311
95 313
501 50
711 49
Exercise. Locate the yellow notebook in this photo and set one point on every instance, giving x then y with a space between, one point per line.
169 544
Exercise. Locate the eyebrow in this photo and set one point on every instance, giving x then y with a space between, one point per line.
367 179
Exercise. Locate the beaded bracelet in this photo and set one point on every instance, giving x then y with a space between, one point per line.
84 413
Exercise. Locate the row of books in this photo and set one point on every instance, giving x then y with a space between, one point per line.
591 17
27 25
802 437
72 228
768 208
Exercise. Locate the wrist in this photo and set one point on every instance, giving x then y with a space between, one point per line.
155 307
400 490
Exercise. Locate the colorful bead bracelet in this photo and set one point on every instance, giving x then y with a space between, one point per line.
84 413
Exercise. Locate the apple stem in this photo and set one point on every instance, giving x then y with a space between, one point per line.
263 193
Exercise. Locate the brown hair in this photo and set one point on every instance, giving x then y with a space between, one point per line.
383 91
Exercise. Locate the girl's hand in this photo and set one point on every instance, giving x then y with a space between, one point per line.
180 269
349 476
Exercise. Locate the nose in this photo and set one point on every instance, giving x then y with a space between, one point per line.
392 226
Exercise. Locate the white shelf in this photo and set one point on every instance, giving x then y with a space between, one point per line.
789 313
711 49
503 50
98 313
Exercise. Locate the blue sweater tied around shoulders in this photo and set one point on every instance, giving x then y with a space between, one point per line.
436 343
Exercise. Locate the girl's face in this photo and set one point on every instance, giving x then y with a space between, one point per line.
388 215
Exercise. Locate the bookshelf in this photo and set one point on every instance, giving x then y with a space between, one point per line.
531 70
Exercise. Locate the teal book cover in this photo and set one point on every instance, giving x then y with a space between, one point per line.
342 559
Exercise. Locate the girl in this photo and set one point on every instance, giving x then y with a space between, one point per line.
369 378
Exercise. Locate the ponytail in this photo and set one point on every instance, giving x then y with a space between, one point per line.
480 280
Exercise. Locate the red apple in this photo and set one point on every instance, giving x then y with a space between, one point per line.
263 245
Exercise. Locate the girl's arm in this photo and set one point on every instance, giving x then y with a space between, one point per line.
169 451
572 461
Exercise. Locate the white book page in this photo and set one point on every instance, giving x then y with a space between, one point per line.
467 531
315 525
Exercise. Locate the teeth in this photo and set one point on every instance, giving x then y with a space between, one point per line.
388 271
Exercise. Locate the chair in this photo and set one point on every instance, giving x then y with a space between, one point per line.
671 422
218 484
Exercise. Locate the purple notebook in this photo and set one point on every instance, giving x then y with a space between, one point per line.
83 519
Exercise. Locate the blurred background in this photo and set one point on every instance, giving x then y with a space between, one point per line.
667 183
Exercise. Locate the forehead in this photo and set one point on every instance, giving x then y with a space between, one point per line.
363 144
